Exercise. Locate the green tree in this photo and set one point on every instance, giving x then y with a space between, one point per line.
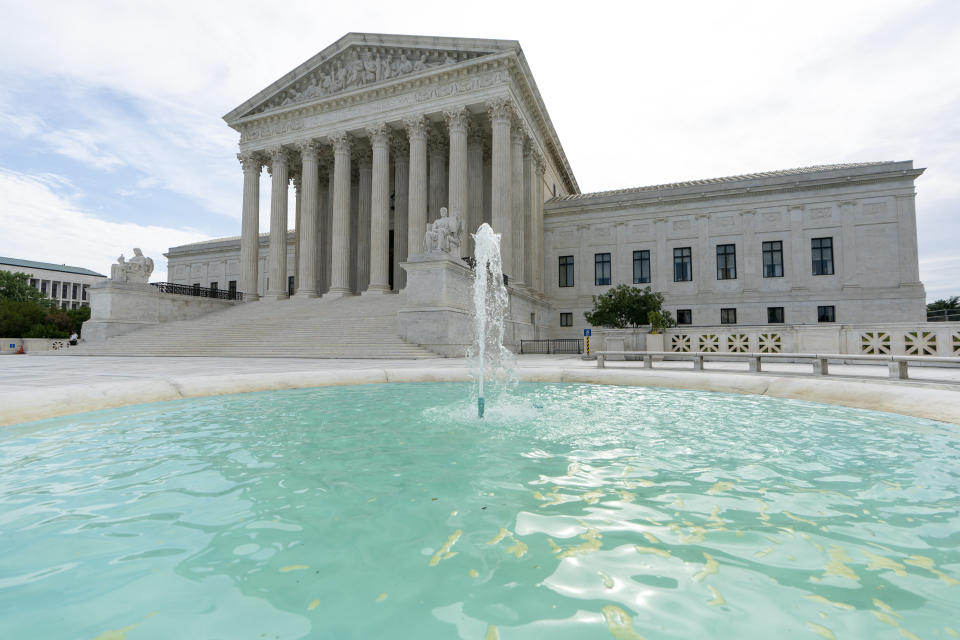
624 306
16 287
944 304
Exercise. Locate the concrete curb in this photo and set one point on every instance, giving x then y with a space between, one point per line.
931 402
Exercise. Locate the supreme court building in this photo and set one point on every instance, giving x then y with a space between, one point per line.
378 132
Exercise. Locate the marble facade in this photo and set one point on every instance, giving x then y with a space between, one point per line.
377 132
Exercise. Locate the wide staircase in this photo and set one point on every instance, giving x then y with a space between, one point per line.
351 327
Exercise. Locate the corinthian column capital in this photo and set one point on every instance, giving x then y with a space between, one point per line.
500 110
309 148
457 119
342 141
379 133
250 161
518 133
416 127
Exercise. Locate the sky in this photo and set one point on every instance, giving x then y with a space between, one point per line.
111 130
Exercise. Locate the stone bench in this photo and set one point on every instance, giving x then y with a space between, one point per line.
897 365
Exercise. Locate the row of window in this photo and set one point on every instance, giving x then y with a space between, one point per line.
775 315
68 290
821 252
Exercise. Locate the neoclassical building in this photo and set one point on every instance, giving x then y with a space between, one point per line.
378 132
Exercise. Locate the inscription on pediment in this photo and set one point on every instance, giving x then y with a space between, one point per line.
361 67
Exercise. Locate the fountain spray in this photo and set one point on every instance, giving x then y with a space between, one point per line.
491 360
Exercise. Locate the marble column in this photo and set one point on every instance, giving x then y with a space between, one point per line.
250 233
277 270
528 241
307 225
365 161
328 229
340 233
437 150
297 180
501 200
379 238
518 214
417 207
457 120
322 231
401 199
475 191
539 168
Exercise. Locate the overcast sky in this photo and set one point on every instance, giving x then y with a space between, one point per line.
111 130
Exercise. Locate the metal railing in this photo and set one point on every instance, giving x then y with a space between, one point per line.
562 345
944 315
200 292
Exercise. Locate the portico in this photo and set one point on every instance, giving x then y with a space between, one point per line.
379 132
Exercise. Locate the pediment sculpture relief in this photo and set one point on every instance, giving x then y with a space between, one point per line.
361 67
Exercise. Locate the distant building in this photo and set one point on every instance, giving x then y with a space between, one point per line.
65 285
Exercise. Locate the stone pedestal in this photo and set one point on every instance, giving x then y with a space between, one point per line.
437 310
121 307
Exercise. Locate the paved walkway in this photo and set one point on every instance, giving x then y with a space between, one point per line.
35 387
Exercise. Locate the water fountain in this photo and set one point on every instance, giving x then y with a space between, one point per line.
489 359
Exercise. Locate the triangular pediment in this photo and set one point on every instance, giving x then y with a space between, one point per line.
358 61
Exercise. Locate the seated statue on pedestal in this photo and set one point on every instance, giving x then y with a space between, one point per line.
136 270
443 234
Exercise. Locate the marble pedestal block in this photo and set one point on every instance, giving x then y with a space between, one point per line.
437 312
121 307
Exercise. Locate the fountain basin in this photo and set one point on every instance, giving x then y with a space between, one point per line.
347 511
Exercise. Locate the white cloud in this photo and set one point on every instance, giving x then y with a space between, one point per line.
42 223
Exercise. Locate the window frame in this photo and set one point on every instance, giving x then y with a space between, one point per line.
773 252
783 315
685 264
565 269
641 257
821 263
821 312
725 313
685 313
568 316
601 263
727 271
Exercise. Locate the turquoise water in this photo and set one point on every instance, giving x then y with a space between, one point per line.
389 511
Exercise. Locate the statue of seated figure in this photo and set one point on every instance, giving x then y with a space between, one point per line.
443 234
137 269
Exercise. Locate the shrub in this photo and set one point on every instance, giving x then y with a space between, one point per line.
624 306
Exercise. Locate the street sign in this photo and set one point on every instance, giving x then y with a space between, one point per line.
586 333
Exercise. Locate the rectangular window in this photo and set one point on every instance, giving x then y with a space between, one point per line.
73 305
826 314
213 285
774 315
566 319
232 286
682 264
566 271
728 316
34 283
290 282
641 266
83 295
76 291
601 268
822 250
53 289
43 287
684 316
773 259
726 262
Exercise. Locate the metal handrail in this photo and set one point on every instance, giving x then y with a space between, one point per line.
200 292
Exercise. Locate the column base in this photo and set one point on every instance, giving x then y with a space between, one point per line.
251 297
377 289
275 295
338 293
306 294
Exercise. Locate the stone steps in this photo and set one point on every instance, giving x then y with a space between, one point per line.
350 327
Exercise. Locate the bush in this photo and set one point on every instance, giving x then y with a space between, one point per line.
624 306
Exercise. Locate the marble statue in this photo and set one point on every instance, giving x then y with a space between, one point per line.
135 270
443 234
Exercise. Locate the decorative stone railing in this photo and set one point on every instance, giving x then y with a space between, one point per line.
907 339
